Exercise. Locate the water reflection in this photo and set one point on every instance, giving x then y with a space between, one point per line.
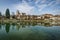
26 24
0 26
7 27
29 31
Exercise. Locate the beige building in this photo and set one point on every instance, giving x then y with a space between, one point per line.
20 16
56 17
39 17
47 16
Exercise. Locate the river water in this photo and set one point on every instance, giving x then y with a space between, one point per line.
29 31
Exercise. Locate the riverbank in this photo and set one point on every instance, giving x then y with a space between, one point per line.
14 20
18 21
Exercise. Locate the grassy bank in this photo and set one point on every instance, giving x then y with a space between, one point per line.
14 20
18 21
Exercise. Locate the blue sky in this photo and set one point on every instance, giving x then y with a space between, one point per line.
35 7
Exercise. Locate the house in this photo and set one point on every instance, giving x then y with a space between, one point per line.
28 17
34 17
39 17
17 15
11 17
47 16
56 17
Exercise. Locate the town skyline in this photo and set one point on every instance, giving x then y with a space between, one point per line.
14 13
31 7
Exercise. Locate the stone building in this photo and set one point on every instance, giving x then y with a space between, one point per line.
55 17
18 14
47 16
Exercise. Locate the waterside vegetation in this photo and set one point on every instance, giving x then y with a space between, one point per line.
23 17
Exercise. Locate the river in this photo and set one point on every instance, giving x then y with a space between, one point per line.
29 31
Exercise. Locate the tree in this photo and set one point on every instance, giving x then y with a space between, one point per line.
7 13
13 15
0 14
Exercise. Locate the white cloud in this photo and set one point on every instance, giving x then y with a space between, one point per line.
43 1
41 7
58 1
25 7
43 4
51 3
37 1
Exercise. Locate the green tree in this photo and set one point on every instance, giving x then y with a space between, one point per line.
7 13
0 14
13 15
